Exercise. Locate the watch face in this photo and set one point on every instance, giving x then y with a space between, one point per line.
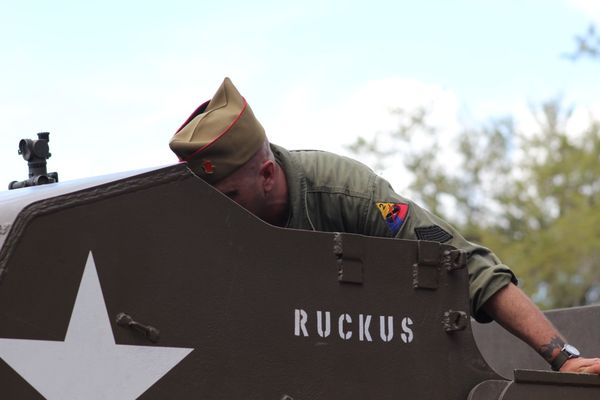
572 350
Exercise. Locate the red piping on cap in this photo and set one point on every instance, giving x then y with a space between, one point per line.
188 158
196 112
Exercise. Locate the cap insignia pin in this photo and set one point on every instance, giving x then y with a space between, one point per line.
208 167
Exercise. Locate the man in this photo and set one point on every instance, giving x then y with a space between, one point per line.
224 144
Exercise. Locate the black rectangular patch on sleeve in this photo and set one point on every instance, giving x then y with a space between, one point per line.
432 233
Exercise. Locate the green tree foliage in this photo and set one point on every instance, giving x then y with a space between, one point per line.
533 197
557 201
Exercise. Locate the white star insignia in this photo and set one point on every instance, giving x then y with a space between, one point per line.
88 364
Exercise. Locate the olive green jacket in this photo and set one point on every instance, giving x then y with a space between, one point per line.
332 193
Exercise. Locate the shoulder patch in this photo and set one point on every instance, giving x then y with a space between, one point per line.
394 215
433 233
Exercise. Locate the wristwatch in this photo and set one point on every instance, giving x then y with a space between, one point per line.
566 353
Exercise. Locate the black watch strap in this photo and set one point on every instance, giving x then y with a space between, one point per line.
559 360
566 353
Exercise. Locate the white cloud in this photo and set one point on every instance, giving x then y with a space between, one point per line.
591 8
365 111
298 123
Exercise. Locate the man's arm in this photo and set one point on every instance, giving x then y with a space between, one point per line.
512 309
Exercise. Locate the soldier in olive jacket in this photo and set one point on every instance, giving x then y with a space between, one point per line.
224 144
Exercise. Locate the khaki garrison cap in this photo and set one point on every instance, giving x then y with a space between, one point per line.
220 136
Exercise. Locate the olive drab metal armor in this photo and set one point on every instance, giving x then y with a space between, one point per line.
156 286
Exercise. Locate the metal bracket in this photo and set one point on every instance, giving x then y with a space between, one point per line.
431 258
455 321
348 252
427 269
454 259
150 332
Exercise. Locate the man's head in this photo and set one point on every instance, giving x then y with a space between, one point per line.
252 185
224 144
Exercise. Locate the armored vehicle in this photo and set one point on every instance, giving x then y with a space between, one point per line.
153 285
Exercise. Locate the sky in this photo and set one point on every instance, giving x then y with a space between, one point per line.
112 81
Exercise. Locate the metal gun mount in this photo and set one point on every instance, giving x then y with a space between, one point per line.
35 152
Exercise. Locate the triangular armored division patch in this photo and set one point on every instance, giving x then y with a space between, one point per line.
394 215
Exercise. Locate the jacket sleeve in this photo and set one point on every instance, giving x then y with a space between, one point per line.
487 274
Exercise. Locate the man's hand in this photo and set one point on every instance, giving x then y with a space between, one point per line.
582 365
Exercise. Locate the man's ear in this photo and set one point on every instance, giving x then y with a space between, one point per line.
267 173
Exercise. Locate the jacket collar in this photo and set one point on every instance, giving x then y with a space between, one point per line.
297 188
